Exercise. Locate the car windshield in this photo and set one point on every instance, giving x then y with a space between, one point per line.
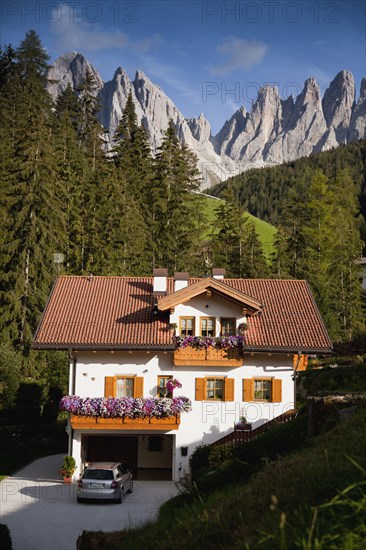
98 474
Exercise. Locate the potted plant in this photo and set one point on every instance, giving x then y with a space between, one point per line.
68 468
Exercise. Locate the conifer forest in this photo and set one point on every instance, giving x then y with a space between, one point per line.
70 205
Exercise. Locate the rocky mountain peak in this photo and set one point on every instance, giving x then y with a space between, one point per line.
310 94
338 103
275 130
200 128
71 69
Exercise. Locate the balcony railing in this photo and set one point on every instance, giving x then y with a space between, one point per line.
208 357
99 423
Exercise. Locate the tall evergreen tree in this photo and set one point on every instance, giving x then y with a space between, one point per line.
173 206
235 243
91 140
34 226
72 171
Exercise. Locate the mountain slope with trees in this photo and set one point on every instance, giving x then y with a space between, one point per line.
318 205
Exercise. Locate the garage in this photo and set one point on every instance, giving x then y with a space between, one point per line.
150 456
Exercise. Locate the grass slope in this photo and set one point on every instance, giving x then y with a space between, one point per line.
313 498
265 231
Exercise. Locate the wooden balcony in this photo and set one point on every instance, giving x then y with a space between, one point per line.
122 424
208 357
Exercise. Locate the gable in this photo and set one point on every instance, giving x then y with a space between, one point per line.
210 286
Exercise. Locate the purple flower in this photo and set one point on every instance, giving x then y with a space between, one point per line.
125 407
204 342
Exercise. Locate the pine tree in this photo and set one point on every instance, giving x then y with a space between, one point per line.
34 226
121 235
91 141
71 167
235 243
254 262
174 207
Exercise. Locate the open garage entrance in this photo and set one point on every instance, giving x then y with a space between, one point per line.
150 456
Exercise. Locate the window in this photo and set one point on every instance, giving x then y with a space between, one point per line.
262 389
228 326
215 389
186 326
123 386
155 443
162 391
207 326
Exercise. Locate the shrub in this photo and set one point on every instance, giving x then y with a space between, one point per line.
5 538
199 461
239 462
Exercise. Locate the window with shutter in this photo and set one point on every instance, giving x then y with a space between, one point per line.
262 389
123 386
214 389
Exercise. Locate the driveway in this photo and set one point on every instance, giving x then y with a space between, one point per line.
42 513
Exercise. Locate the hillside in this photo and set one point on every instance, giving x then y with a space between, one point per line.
264 192
268 512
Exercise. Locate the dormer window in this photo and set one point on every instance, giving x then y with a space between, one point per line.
186 326
228 326
207 326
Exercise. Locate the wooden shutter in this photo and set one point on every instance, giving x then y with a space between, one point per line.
248 389
138 387
109 386
276 390
200 389
302 364
229 389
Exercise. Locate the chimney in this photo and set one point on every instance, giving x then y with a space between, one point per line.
159 286
218 273
180 280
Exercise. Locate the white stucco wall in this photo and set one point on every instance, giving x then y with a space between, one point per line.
208 420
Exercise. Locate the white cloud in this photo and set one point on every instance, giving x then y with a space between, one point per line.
74 32
240 54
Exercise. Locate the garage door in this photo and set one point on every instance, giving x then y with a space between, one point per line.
112 448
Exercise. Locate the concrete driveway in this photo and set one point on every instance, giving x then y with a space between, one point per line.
42 513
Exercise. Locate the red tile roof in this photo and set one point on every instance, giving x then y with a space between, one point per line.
119 312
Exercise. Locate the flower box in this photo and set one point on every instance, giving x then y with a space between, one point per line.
208 357
98 423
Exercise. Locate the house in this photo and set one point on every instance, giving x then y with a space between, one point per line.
129 337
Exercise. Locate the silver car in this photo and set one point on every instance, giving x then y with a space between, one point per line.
105 480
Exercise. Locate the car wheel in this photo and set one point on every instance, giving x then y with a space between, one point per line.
131 488
120 498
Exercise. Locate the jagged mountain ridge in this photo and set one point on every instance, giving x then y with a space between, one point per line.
272 132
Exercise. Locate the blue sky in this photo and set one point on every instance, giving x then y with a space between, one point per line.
209 57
